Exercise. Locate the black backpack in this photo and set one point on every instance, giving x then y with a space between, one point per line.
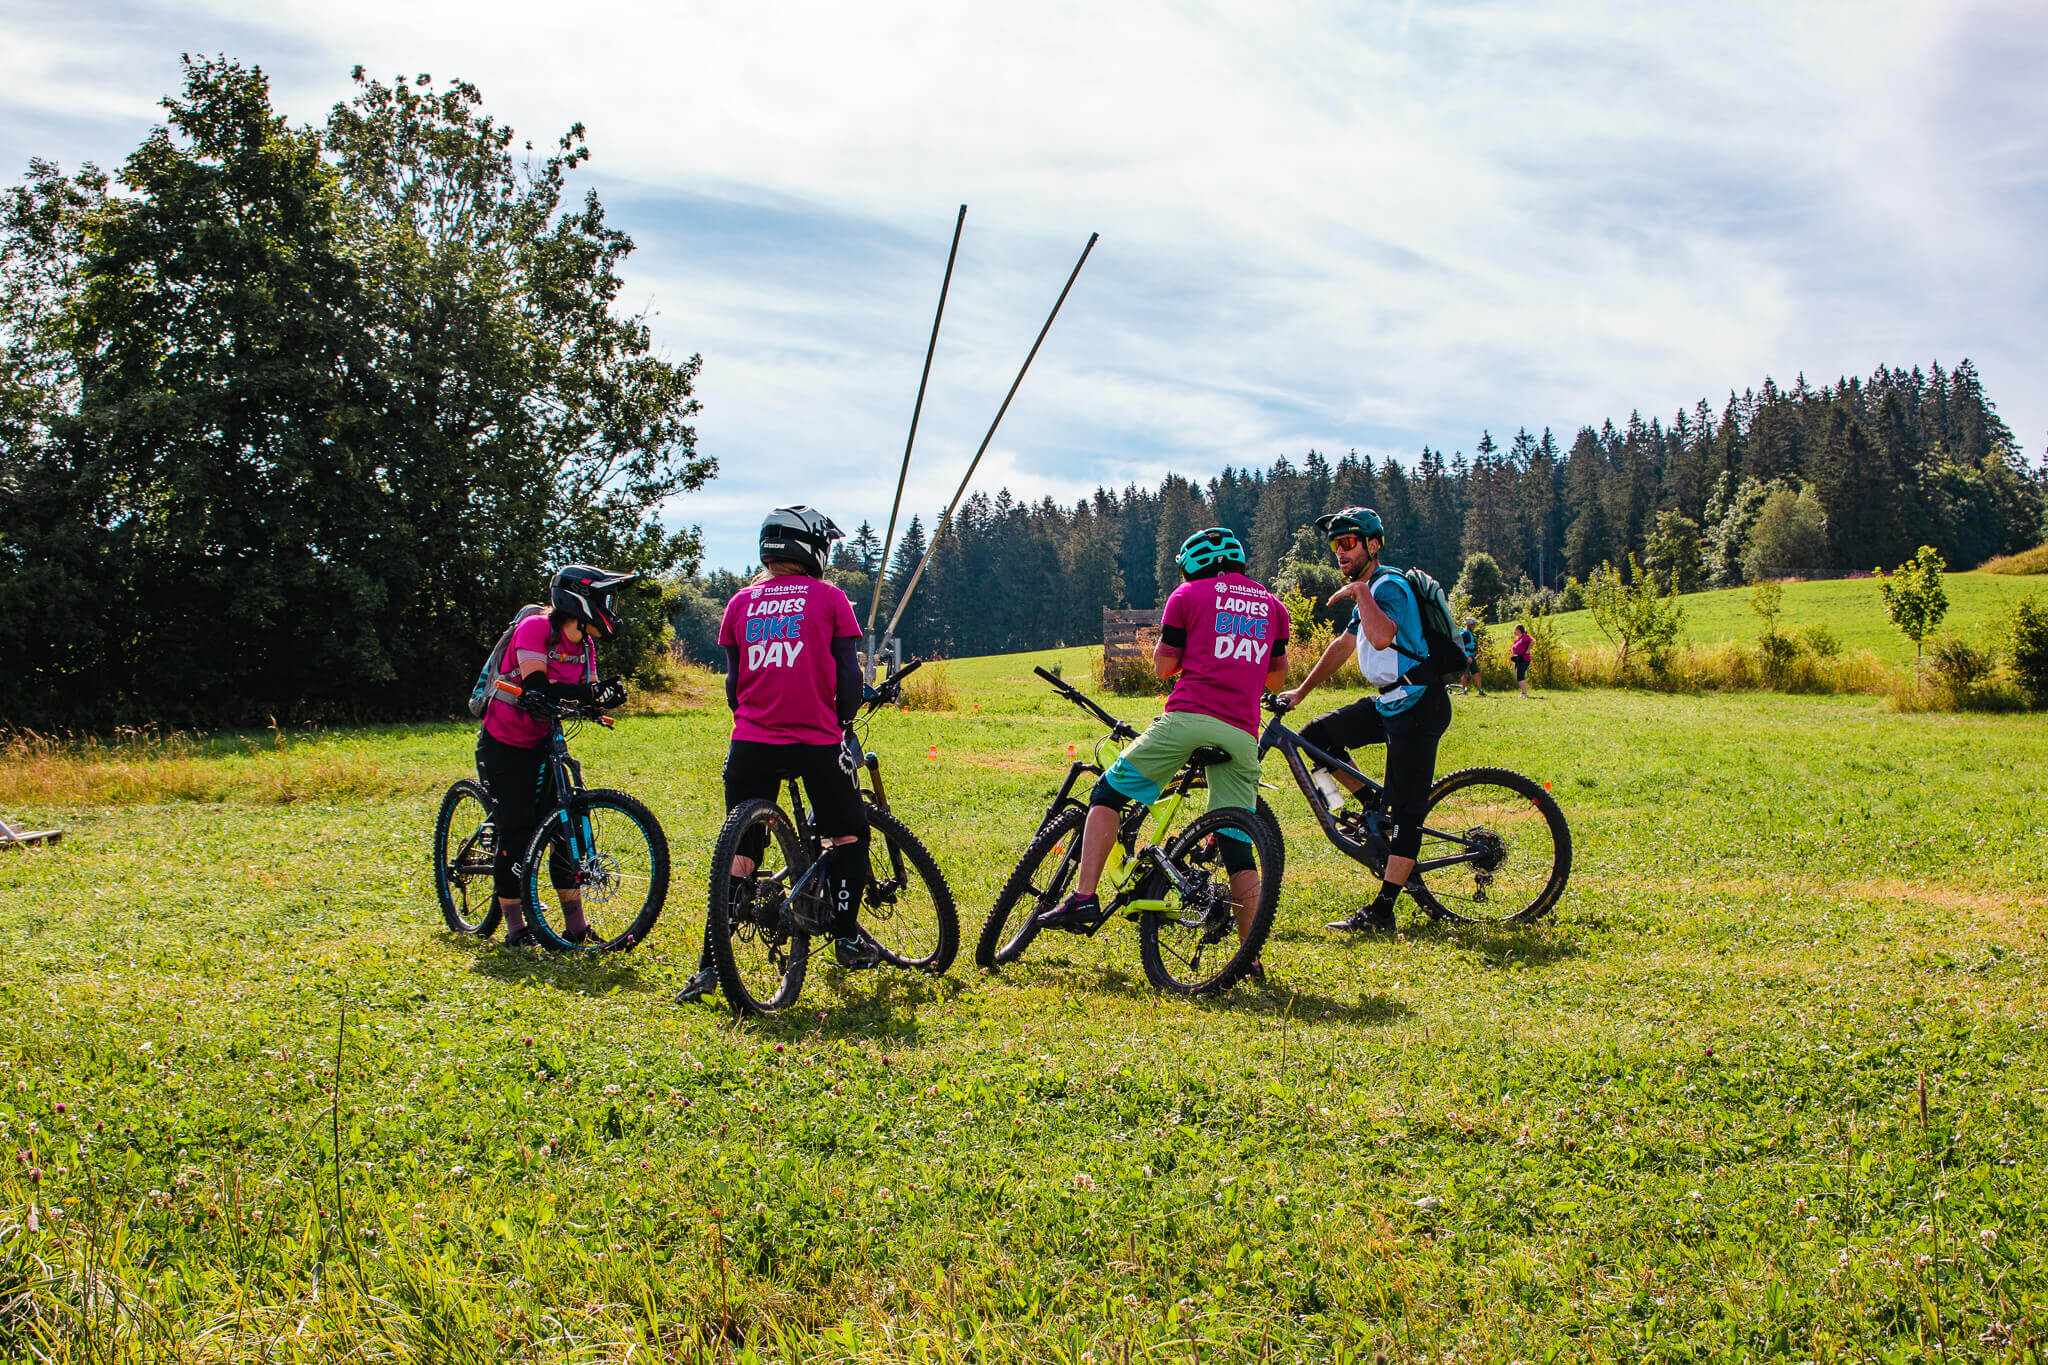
1446 657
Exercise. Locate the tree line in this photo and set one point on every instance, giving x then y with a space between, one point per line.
293 418
1783 482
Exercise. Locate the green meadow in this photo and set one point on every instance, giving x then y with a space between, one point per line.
1849 607
1773 1080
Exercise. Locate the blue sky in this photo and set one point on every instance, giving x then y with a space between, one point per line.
1334 226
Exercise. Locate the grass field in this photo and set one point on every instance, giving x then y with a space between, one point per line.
1773 1080
1850 607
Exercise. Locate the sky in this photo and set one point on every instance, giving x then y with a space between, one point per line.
1365 227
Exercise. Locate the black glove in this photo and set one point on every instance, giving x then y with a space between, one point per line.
610 693
850 757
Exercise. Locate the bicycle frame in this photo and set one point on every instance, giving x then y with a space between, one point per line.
1121 868
1292 747
566 774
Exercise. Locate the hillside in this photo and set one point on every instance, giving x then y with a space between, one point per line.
1849 607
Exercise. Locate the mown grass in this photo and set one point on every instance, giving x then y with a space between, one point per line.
1849 607
1771 1081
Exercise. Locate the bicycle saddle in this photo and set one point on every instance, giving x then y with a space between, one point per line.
1208 756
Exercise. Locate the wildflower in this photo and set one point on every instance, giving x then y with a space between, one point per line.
1084 1181
1987 1235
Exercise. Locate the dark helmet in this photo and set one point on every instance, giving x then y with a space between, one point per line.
800 535
1362 522
586 594
1210 551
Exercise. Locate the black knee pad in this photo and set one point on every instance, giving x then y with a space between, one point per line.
1236 854
1106 794
1404 832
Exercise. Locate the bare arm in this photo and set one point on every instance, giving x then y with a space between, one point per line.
1276 673
1165 660
1333 658
1377 626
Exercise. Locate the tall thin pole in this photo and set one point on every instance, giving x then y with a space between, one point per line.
889 539
946 520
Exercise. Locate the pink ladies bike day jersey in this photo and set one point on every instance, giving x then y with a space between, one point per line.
1233 626
503 720
788 684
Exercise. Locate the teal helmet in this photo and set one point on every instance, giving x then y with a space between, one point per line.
1362 522
1210 552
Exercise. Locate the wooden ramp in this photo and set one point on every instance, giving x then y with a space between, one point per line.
10 837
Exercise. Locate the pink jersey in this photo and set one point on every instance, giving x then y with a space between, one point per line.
1233 627
788 684
1523 644
503 718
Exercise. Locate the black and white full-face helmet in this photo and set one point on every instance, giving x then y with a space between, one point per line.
799 535
586 594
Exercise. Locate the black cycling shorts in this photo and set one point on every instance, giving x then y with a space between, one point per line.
521 797
754 769
1411 739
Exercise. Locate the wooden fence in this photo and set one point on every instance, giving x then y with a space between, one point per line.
1128 636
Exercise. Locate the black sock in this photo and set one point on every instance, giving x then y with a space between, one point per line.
1389 893
845 880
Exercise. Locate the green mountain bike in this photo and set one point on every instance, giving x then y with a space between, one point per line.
1171 881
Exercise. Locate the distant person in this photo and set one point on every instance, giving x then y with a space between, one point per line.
1519 651
1411 712
1221 661
554 656
1469 642
792 679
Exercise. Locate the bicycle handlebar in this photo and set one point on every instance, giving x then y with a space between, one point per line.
1121 729
563 710
1276 703
891 687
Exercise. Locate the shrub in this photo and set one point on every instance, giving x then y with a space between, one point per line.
1548 663
1959 663
1480 583
1635 613
1816 639
2025 562
2026 647
931 688
1572 597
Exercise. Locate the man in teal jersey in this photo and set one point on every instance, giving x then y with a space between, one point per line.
1409 715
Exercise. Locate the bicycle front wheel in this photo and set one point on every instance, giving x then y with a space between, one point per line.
1196 948
760 960
1495 849
606 850
465 849
908 908
1042 878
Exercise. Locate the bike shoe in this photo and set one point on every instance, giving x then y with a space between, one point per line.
525 938
859 952
698 986
1077 914
588 935
1370 920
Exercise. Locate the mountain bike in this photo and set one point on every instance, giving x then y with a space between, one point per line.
1173 884
756 945
601 844
1495 845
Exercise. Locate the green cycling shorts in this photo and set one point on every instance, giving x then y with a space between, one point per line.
1155 756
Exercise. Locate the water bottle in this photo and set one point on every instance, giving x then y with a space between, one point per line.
1333 795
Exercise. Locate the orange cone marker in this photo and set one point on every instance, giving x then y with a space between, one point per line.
932 752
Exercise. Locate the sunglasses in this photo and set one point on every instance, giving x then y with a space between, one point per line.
1347 541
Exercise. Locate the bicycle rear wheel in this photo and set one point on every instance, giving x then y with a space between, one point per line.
608 849
760 962
1042 878
1194 949
465 847
1495 849
908 908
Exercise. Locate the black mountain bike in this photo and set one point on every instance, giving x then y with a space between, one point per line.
760 954
1495 846
601 845
1175 886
